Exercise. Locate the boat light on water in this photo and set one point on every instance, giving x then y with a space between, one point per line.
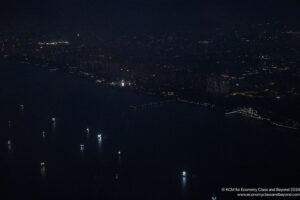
81 147
99 136
42 164
119 153
22 107
116 176
87 130
183 174
9 145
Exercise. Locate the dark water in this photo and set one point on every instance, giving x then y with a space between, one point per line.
156 144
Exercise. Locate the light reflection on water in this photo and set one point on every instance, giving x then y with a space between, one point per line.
183 183
53 123
81 148
100 143
43 173
44 135
184 187
9 147
119 162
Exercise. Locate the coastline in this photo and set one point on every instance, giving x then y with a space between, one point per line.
98 81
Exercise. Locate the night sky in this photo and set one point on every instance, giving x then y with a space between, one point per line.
145 14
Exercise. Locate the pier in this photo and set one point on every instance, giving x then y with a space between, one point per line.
150 105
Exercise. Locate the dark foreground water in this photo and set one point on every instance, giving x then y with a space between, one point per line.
156 144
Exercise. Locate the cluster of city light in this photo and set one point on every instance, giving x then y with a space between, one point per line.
121 83
54 43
